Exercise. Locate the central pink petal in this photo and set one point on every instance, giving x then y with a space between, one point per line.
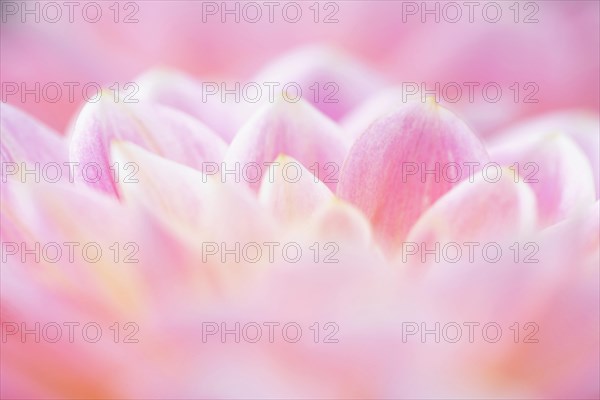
385 171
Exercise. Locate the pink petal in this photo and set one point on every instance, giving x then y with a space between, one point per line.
26 139
46 212
361 117
60 213
165 131
580 126
222 113
374 176
584 242
296 129
172 191
30 151
338 221
477 211
186 199
332 81
292 192
557 170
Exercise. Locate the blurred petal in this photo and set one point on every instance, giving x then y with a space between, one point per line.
204 207
296 129
165 131
332 81
557 170
50 216
177 90
291 192
340 221
30 151
171 190
361 117
479 210
582 127
26 140
552 53
44 211
374 177
584 242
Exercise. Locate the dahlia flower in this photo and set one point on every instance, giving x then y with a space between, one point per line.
357 239
295 259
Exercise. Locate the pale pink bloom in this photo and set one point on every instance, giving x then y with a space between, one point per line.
368 212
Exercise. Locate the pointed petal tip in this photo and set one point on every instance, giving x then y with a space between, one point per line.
375 173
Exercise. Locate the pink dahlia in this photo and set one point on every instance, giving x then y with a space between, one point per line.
344 235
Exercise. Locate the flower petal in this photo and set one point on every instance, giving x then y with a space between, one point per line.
44 212
296 129
338 221
557 170
30 151
26 139
361 117
171 190
584 242
165 131
582 127
375 174
186 199
477 211
203 100
329 79
291 192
